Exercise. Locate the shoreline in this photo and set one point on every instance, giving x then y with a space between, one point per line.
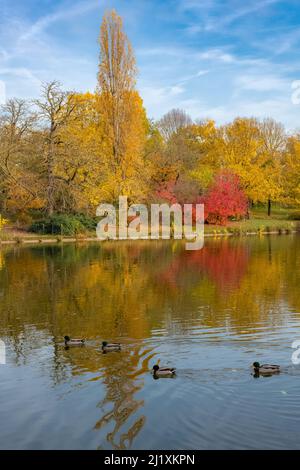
40 241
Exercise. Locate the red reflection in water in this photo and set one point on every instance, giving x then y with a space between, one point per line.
224 263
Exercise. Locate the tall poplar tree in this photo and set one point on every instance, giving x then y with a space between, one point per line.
122 110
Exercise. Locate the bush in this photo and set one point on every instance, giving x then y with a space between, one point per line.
61 224
90 223
294 215
224 199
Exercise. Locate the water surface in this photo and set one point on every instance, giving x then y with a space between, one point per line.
209 313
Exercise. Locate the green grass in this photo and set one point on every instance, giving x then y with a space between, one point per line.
259 222
277 212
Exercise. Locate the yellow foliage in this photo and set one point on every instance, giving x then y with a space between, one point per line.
292 171
240 147
3 222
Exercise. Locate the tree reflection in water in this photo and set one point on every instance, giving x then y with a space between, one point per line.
140 294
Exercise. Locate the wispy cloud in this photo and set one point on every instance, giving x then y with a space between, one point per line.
34 51
217 54
64 13
238 13
262 83
213 16
160 51
21 72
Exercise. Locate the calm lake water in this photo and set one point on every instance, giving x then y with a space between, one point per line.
209 313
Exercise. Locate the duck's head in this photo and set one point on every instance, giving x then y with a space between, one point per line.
256 365
156 368
67 338
104 343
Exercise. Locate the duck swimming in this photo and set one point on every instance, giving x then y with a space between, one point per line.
73 342
108 347
163 371
265 369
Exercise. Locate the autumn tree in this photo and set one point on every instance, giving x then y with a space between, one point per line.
250 149
187 161
122 110
273 138
184 165
83 143
17 165
55 109
205 162
291 174
172 122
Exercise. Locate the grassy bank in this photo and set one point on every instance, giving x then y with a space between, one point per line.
259 222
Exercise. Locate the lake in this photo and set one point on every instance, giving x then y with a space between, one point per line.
209 313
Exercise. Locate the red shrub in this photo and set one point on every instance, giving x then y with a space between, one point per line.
224 199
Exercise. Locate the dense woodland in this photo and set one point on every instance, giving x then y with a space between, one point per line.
66 152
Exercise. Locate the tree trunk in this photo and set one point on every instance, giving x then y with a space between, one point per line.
269 207
50 175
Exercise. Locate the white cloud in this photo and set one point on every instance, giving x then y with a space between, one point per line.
262 83
160 51
202 72
221 55
216 54
176 90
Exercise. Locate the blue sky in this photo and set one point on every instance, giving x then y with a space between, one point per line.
214 58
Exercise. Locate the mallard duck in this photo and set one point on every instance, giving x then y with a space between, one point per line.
265 368
73 342
107 347
163 371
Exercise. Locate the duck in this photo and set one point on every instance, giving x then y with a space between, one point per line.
163 371
73 342
265 368
108 347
